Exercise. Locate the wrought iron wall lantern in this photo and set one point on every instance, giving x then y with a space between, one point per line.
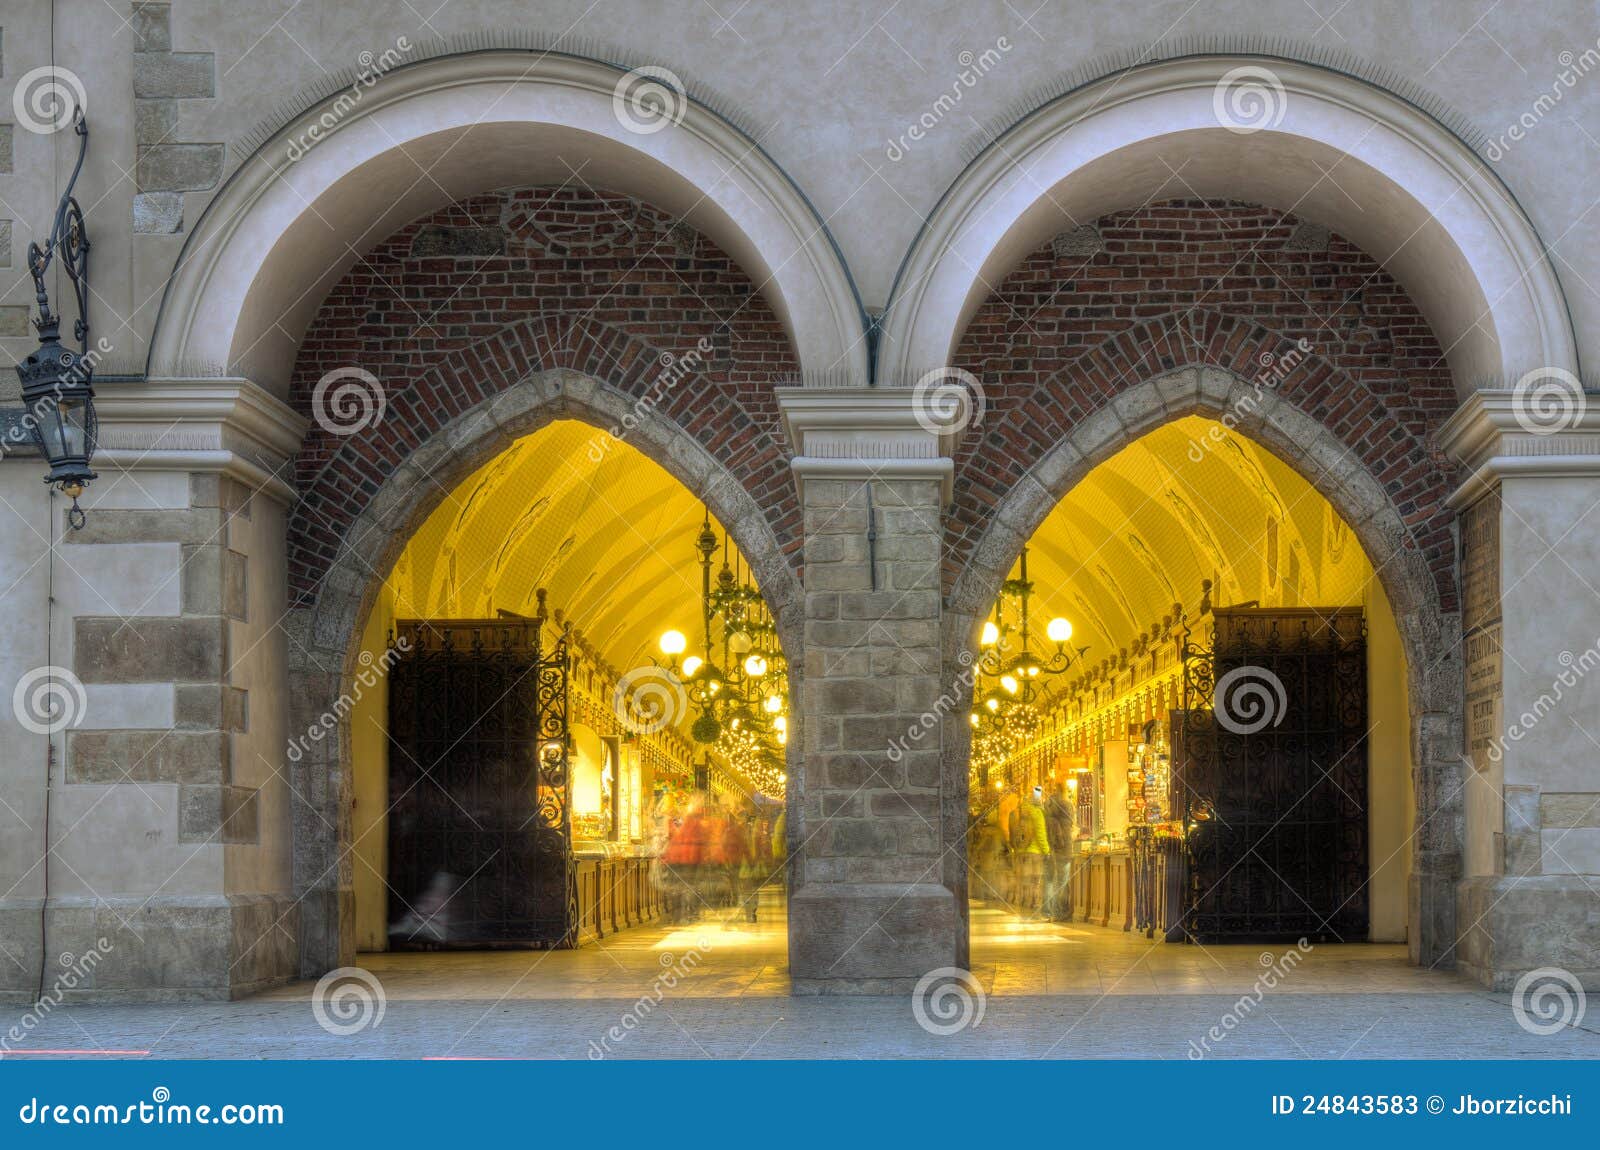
57 382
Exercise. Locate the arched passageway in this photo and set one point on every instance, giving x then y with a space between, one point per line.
1197 666
527 745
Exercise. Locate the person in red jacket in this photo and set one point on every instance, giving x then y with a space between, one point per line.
681 862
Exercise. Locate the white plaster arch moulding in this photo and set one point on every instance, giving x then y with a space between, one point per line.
282 231
1345 154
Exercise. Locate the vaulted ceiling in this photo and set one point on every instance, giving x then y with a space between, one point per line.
606 531
1189 501
610 535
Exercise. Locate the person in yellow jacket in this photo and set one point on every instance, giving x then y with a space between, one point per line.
1030 846
780 844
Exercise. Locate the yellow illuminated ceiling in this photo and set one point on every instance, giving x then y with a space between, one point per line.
1187 502
606 531
610 535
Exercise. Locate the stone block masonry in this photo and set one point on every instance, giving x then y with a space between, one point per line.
871 913
165 164
179 922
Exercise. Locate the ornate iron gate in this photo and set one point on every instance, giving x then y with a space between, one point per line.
1270 772
480 830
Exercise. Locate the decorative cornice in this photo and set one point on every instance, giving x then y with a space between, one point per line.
855 433
227 425
1500 434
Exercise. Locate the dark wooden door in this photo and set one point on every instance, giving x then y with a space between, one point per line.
1270 758
479 831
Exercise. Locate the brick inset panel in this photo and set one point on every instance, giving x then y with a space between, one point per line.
1195 283
455 307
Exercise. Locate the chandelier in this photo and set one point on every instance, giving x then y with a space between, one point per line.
1006 715
737 680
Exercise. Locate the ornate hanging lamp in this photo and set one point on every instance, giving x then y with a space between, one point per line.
57 382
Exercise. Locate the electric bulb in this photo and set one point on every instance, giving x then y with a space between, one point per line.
755 666
673 643
692 664
1009 683
991 634
1059 630
774 704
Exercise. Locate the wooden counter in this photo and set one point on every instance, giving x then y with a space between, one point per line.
1103 891
614 893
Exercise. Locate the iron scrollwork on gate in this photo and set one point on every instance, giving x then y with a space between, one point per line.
1270 775
480 827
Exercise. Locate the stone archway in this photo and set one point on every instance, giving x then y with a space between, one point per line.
257 264
1429 635
1447 228
324 633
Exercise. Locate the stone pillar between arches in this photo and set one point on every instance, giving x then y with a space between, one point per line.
870 912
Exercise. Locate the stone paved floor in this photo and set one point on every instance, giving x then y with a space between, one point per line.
1051 991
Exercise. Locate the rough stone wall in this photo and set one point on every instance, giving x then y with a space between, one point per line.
1103 307
456 307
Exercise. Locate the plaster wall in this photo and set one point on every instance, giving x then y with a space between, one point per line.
1391 805
842 95
1549 556
369 749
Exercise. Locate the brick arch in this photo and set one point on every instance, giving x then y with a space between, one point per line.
341 474
1367 490
1030 420
324 629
